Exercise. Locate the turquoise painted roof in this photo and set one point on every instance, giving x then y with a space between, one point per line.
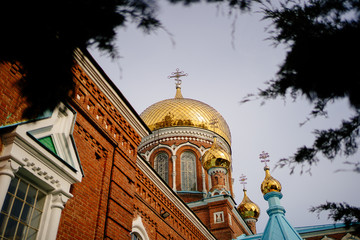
300 230
278 227
316 228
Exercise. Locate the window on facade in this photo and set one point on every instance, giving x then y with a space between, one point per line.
135 236
21 213
49 143
188 171
54 133
161 165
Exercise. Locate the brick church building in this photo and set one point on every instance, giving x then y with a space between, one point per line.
93 168
86 169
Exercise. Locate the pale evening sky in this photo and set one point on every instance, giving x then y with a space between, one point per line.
221 75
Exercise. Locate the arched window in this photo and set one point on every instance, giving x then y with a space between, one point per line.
138 231
188 171
135 236
161 165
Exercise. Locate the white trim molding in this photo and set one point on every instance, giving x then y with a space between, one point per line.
174 148
182 133
138 227
53 169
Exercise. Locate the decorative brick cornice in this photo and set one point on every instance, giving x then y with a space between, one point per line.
87 94
109 97
99 149
145 217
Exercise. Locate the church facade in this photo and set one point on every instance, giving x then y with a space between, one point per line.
75 173
94 169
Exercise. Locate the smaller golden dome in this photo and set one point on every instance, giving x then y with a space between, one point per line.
270 184
248 209
216 157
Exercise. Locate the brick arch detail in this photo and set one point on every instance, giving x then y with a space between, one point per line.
150 154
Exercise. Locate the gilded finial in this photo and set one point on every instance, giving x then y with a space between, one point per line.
176 75
243 180
269 184
264 156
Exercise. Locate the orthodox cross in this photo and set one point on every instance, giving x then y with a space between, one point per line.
176 75
264 156
242 180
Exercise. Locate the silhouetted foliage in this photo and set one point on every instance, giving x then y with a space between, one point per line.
321 63
42 36
340 212
322 39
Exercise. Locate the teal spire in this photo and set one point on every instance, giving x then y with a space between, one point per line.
278 227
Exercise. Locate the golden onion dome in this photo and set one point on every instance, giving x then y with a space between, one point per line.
216 157
180 111
248 209
270 184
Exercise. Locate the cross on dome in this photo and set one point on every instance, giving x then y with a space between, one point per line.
264 156
176 75
243 178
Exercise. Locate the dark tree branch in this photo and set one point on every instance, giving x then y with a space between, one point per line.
330 143
321 36
340 212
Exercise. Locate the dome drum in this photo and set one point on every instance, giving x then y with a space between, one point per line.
199 136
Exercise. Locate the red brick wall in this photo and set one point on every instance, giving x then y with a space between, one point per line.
12 104
149 202
106 201
102 206
224 230
86 210
190 197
